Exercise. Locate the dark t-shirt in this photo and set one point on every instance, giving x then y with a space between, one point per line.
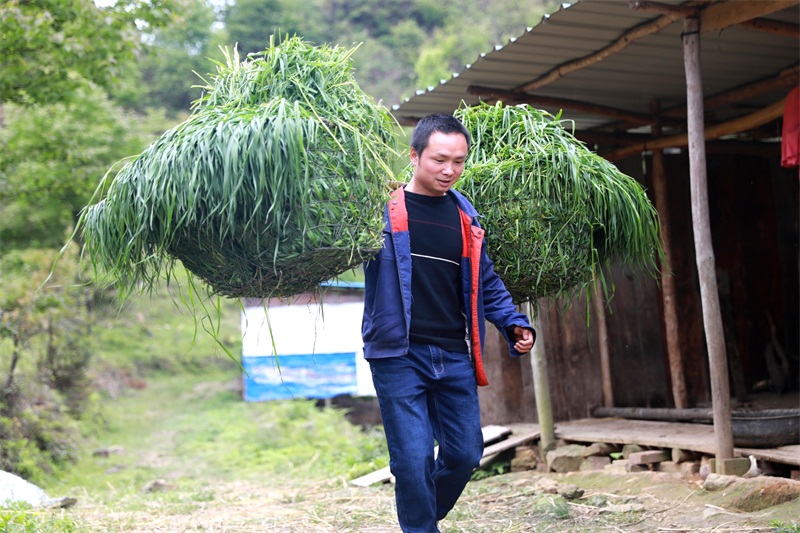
437 315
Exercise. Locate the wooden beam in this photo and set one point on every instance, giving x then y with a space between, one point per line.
774 27
695 437
716 131
714 17
620 138
664 9
490 434
622 42
720 15
788 77
511 442
704 250
605 348
760 149
668 291
541 383
521 97
730 13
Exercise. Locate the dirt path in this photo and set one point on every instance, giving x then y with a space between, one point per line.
517 502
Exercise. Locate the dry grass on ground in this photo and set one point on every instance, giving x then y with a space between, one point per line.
517 502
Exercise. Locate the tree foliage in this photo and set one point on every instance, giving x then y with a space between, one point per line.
251 22
45 349
84 83
52 159
173 60
49 45
407 44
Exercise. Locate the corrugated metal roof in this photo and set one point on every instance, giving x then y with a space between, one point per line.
650 68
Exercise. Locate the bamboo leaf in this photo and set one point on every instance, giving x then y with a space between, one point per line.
553 210
254 192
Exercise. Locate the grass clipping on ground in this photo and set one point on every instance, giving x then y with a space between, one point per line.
275 183
553 210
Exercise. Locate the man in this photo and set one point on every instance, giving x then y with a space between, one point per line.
427 295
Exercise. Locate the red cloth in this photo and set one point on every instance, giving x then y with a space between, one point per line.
790 144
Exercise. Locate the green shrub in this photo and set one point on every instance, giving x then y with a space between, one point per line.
44 354
22 519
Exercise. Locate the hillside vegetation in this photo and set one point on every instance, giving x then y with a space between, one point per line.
86 84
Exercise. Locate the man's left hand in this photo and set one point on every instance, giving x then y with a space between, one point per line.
524 338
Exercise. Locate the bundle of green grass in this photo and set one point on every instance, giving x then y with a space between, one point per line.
275 183
553 210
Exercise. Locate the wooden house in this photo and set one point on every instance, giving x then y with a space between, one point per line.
689 98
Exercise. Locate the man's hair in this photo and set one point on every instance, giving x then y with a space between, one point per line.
441 122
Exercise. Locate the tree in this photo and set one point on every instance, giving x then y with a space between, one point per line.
49 45
173 60
45 350
251 22
52 159
490 23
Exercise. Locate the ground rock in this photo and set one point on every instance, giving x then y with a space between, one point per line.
600 449
629 449
157 485
617 466
669 466
690 469
623 508
595 462
524 459
570 492
546 485
718 482
566 458
565 490
760 493
107 452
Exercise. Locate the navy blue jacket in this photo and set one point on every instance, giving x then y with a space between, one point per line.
387 297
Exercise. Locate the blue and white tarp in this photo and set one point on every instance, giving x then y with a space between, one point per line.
304 350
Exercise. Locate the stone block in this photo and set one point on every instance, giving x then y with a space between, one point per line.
682 456
566 458
690 468
649 457
670 467
595 462
736 466
524 459
600 448
570 492
617 466
630 467
628 449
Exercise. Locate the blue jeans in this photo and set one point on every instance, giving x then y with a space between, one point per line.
428 394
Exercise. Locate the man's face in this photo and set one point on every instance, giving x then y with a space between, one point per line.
440 164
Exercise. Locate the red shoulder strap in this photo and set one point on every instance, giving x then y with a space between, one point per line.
398 216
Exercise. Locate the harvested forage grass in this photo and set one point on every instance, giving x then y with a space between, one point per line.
553 210
275 183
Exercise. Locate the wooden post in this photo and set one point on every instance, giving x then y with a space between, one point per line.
602 339
712 318
541 387
679 395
